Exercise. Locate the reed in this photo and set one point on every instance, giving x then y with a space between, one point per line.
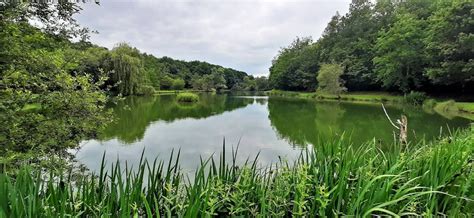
187 97
334 179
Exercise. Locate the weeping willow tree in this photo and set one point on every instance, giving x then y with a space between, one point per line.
126 69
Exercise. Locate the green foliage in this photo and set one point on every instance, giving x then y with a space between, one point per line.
294 66
146 90
217 79
397 46
399 62
210 82
52 93
178 84
249 84
261 83
163 70
187 97
349 40
166 82
126 69
329 79
450 44
415 98
429 104
369 183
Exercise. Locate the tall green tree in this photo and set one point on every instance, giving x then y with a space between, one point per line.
450 44
262 83
48 100
400 56
349 40
329 79
218 80
294 66
126 69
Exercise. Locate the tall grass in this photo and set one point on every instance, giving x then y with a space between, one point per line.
187 97
333 179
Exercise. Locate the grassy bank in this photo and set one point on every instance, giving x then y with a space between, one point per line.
169 92
448 108
353 96
335 179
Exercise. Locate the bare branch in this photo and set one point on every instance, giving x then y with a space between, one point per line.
388 117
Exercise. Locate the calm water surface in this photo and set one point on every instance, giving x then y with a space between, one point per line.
275 127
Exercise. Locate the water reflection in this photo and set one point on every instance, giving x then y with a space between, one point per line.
134 114
277 127
304 122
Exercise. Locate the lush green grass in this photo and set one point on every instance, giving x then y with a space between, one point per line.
451 108
165 92
352 96
187 97
334 179
466 106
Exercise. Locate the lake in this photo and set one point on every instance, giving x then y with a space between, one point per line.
273 127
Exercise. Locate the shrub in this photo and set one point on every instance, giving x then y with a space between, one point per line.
147 90
329 79
429 103
166 82
178 84
187 97
415 98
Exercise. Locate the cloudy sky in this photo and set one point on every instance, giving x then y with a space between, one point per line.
241 34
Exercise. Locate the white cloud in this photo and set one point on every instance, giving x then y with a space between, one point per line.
244 35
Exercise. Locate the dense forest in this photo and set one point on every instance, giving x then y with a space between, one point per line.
399 46
167 73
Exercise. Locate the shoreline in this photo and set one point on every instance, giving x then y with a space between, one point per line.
446 108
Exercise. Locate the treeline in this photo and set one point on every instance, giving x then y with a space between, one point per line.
167 73
132 72
401 46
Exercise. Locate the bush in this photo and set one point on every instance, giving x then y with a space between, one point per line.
429 103
178 84
415 98
147 90
329 79
166 82
187 97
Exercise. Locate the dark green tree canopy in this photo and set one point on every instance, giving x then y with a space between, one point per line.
294 67
388 45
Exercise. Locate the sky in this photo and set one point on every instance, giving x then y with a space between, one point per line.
240 34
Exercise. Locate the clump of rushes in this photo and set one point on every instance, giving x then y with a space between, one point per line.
187 97
334 179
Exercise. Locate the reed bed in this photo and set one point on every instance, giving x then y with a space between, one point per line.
334 179
187 97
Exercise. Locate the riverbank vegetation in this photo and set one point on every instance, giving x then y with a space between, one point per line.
396 46
334 179
449 108
187 97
